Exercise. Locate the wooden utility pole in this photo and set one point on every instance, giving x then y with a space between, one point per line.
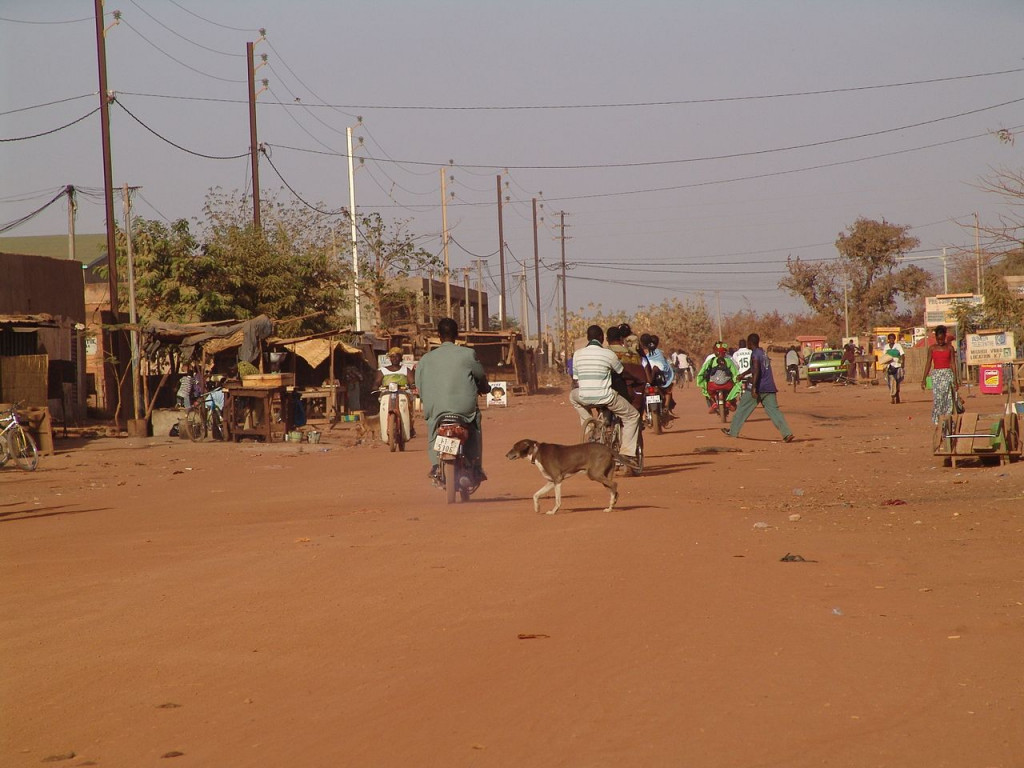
444 247
536 271
468 303
108 172
133 317
501 259
254 153
482 322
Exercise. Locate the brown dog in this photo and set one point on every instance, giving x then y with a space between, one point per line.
557 462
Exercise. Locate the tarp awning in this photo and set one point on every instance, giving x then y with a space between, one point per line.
315 351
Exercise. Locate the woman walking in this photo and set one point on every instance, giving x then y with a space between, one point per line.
942 363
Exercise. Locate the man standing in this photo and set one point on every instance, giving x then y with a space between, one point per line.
742 359
592 369
892 356
762 390
450 378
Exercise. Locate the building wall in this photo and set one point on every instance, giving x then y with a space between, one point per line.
38 284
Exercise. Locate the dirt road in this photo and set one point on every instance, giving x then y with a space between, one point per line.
247 605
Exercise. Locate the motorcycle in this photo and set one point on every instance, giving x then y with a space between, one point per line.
654 415
395 433
720 384
455 473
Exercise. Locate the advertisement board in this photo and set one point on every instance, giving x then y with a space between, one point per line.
498 394
938 309
987 347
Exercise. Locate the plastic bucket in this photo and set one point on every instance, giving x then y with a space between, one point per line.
313 437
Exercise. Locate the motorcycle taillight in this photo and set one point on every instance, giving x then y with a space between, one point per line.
650 389
458 431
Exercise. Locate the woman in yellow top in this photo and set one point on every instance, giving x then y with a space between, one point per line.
401 375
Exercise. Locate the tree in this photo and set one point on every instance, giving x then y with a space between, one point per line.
868 269
286 271
388 254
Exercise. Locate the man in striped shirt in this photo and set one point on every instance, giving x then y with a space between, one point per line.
592 369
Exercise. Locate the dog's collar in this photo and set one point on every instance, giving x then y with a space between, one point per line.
532 455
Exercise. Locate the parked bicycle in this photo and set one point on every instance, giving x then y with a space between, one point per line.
206 416
16 443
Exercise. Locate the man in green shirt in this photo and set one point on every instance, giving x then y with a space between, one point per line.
450 378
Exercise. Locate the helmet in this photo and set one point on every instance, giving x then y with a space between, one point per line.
721 345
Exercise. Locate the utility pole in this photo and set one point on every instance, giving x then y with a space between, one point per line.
353 234
536 271
501 258
254 154
108 172
133 317
444 246
945 274
526 305
69 190
718 312
482 321
565 311
977 253
465 283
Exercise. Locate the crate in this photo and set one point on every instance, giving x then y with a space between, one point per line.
269 380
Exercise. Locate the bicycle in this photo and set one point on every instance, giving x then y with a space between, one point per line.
606 428
16 443
206 416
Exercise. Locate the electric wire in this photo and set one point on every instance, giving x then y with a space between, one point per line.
47 104
174 144
61 21
177 60
52 130
297 196
29 216
138 193
183 37
21 197
210 21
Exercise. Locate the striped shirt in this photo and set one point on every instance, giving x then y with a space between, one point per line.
592 367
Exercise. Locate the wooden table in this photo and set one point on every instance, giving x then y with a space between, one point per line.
332 400
249 412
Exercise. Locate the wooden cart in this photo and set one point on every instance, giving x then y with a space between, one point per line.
992 436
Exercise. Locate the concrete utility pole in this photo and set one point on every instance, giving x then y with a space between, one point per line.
501 259
254 154
353 233
133 317
444 247
482 322
526 305
465 283
977 253
108 172
69 190
718 312
565 311
536 271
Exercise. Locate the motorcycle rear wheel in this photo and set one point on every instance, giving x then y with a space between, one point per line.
656 421
450 478
394 431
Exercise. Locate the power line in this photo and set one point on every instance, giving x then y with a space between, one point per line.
175 145
706 158
210 21
296 194
63 21
28 216
177 60
53 130
47 104
186 39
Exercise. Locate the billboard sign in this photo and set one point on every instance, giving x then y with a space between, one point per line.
988 347
938 309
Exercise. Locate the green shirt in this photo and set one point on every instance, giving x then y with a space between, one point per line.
449 378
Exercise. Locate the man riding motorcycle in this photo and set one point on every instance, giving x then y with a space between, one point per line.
719 372
662 373
636 370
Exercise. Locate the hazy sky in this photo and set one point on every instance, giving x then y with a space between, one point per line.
692 145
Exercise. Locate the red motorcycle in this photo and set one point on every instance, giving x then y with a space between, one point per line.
455 472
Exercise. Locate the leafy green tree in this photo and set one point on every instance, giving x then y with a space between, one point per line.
287 271
868 268
388 253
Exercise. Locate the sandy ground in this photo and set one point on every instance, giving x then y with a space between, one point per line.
284 605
